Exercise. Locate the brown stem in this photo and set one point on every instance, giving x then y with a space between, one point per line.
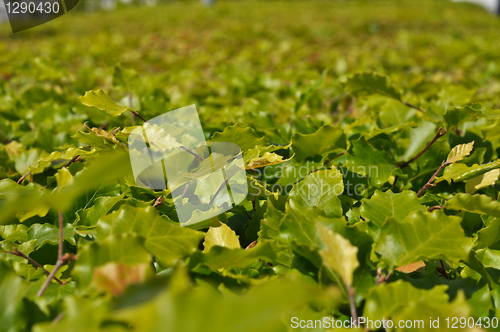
443 270
413 106
16 252
74 159
61 236
326 162
441 131
352 305
223 184
65 259
158 201
437 207
429 183
61 259
138 115
23 177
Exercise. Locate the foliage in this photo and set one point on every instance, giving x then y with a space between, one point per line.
371 142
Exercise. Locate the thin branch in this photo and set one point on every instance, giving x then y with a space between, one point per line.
194 154
441 132
381 278
496 190
223 184
429 183
159 200
74 159
326 162
61 236
18 253
23 177
65 259
138 115
442 270
413 106
62 259
437 207
352 305
251 245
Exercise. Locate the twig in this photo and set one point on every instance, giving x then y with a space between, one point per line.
441 132
442 270
437 207
61 236
381 278
18 253
194 154
138 115
352 305
326 162
223 184
74 159
496 190
23 177
61 259
429 183
251 245
413 106
159 200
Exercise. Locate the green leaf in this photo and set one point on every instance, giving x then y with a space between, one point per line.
488 235
47 233
14 233
366 84
459 152
461 172
320 189
423 236
489 258
478 203
382 206
221 236
120 248
245 138
482 181
306 146
166 241
101 100
339 254
365 159
458 115
12 290
399 300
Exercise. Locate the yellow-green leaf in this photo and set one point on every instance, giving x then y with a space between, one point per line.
339 254
459 152
481 181
101 100
222 236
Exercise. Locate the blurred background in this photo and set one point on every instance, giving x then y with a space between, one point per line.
233 57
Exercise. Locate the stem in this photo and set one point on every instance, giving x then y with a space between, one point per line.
496 190
61 236
16 252
159 200
74 159
443 270
194 154
326 162
138 115
23 177
61 259
223 184
437 207
352 305
429 183
413 106
441 131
